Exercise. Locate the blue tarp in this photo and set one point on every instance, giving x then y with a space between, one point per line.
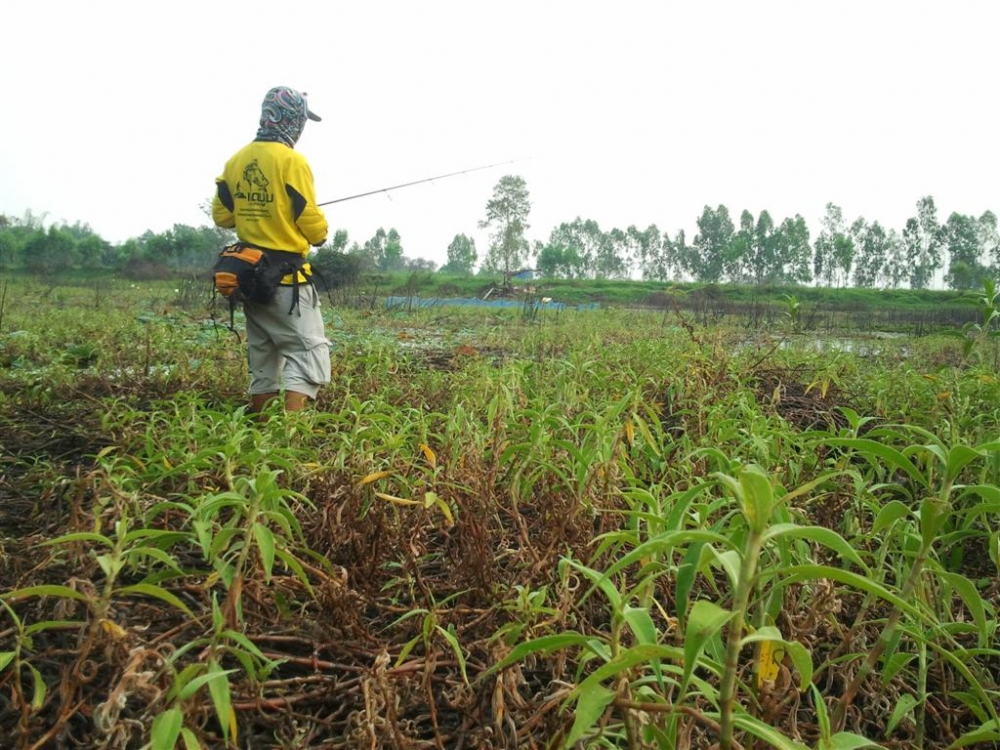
408 302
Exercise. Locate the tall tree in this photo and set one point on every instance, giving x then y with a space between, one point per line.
374 250
705 258
384 251
676 252
871 242
612 255
393 259
739 262
833 247
507 220
790 252
989 239
338 243
50 251
895 271
961 236
922 243
461 256
654 263
578 245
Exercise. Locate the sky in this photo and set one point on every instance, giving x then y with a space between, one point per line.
121 114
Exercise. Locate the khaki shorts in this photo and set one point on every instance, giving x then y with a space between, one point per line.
289 351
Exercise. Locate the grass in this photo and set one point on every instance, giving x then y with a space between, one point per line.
615 528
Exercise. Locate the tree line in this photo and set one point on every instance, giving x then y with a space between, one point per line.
963 251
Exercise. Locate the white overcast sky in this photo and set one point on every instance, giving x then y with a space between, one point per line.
121 114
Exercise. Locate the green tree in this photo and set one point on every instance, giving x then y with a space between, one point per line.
872 246
337 269
549 261
338 242
93 252
50 251
833 247
895 271
738 263
962 236
790 252
613 255
579 244
653 260
675 252
191 247
393 259
461 256
507 221
706 258
374 249
989 240
762 259
922 242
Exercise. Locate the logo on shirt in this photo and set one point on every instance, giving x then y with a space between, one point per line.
253 186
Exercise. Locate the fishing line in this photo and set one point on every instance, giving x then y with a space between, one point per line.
418 182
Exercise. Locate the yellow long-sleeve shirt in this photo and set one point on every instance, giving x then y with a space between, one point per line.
266 194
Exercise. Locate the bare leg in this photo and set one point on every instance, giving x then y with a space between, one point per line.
259 401
294 401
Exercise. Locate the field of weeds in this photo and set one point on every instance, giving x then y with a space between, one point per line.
598 529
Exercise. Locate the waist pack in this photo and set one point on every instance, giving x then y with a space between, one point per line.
248 274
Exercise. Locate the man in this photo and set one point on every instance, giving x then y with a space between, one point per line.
266 194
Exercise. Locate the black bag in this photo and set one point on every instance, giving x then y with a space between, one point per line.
247 274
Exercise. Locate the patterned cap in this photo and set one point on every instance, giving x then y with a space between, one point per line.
283 116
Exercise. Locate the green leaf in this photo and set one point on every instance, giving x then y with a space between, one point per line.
797 652
6 657
752 488
154 552
704 621
730 560
449 635
218 688
46 590
39 689
827 537
957 459
247 645
546 644
166 729
904 705
292 563
988 732
190 740
798 573
663 544
148 589
590 708
766 732
893 664
641 624
39 627
266 545
850 741
198 682
80 536
185 676
872 449
601 581
687 571
970 596
891 512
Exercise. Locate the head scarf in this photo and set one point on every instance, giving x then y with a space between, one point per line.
283 116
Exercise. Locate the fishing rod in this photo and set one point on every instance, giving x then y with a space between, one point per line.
417 182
